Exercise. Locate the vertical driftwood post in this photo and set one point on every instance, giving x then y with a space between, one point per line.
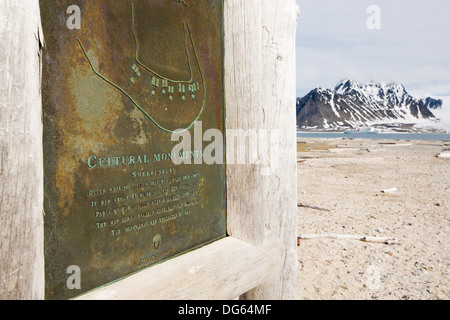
243 83
260 95
21 176
279 21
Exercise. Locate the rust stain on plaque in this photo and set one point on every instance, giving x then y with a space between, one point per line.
114 92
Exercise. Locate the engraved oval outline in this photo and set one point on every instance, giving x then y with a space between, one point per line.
133 28
137 105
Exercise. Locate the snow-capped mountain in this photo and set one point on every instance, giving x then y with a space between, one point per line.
352 104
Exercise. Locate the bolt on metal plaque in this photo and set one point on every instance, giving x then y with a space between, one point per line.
129 90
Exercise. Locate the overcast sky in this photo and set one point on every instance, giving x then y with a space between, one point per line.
412 47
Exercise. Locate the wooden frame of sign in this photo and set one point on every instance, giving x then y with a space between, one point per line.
258 260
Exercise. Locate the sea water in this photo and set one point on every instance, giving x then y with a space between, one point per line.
377 136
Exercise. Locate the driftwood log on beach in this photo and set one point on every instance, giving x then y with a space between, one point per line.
301 205
348 237
444 155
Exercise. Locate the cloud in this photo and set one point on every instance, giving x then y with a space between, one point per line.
333 42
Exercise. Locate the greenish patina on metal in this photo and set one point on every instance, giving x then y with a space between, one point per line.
114 93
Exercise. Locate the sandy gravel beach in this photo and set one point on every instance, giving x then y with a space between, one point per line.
347 177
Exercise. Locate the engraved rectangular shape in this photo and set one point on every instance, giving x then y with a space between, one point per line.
119 78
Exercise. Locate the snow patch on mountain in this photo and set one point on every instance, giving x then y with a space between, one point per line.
442 117
352 104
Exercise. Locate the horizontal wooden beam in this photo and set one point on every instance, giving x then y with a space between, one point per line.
222 270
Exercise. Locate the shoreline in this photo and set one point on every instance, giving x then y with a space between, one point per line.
445 137
383 132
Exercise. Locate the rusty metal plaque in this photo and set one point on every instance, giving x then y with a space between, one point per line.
121 81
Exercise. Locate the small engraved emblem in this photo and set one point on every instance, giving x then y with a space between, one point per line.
157 242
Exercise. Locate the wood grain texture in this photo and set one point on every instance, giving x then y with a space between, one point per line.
279 22
260 95
21 155
219 271
243 74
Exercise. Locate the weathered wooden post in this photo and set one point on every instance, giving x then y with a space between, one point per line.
257 260
279 20
260 86
21 167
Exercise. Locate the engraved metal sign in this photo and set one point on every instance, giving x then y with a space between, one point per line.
120 80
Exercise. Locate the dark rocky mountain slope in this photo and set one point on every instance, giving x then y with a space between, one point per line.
352 104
